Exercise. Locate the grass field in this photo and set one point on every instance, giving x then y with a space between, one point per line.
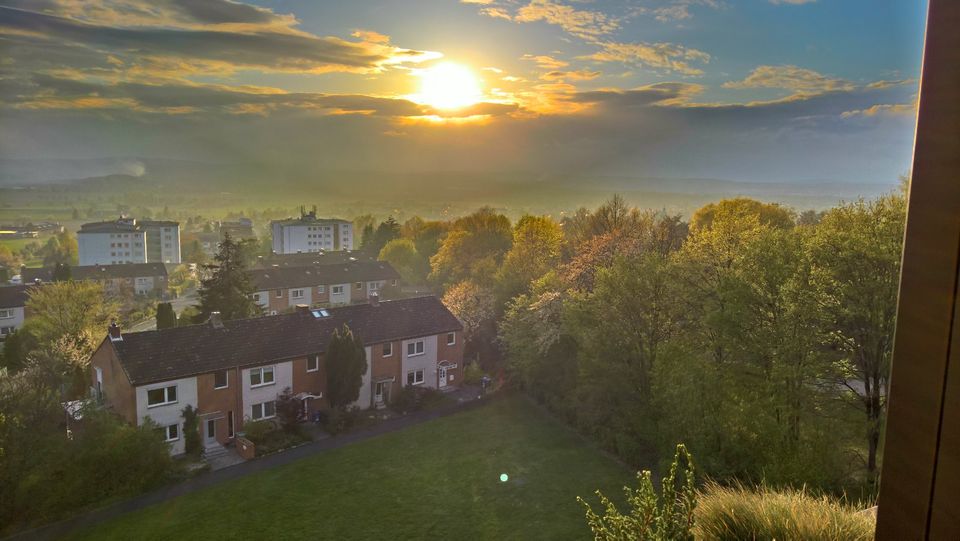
437 480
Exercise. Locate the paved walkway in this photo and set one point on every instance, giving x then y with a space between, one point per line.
466 398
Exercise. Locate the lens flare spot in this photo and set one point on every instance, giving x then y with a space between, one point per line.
504 478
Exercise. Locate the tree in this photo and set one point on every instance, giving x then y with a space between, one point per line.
476 308
61 273
346 363
75 311
15 349
289 410
855 256
537 241
770 214
388 230
473 249
402 255
166 316
191 431
227 287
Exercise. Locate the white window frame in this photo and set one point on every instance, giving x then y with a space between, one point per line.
321 289
415 373
316 358
279 293
388 349
4 331
454 335
417 345
263 410
263 370
358 286
296 293
6 313
373 286
336 290
166 396
166 433
226 374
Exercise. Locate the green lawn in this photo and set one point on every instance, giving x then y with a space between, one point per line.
438 480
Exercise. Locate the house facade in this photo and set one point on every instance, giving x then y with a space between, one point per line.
137 278
232 372
310 234
279 288
13 301
163 241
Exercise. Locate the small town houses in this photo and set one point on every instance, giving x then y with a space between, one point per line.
280 288
232 372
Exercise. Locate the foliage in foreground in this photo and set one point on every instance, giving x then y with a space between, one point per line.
737 513
667 516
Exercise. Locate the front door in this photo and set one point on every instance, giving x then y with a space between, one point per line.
378 393
210 434
443 377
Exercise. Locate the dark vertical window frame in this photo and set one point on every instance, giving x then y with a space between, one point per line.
920 478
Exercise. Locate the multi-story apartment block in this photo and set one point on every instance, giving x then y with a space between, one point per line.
112 243
13 301
128 241
138 278
232 372
279 289
310 234
163 241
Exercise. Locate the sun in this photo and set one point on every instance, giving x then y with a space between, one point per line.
448 86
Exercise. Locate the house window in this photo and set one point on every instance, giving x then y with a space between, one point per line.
4 331
261 376
374 286
415 377
451 338
415 348
393 282
388 349
161 396
337 290
170 433
296 293
6 313
279 293
358 286
220 379
264 410
313 363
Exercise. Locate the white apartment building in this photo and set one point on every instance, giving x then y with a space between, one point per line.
311 234
112 243
127 240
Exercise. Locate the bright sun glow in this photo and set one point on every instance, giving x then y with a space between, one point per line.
448 86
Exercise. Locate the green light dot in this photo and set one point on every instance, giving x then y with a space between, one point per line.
504 478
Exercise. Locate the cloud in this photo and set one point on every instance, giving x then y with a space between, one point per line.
588 25
496 13
880 85
666 56
655 94
545 61
800 81
574 75
887 109
226 50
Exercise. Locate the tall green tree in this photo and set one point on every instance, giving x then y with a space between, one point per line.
227 287
537 242
166 316
473 249
61 272
403 256
75 311
346 363
855 256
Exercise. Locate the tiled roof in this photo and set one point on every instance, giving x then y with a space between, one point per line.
97 272
180 352
313 258
309 276
14 296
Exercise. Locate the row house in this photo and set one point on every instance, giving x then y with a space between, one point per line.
232 372
279 289
13 302
138 278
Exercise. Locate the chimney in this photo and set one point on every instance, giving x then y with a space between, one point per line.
114 331
302 309
215 320
374 299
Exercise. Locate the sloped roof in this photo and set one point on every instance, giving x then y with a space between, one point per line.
308 276
14 296
180 352
97 272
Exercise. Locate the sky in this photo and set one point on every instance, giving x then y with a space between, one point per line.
751 90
